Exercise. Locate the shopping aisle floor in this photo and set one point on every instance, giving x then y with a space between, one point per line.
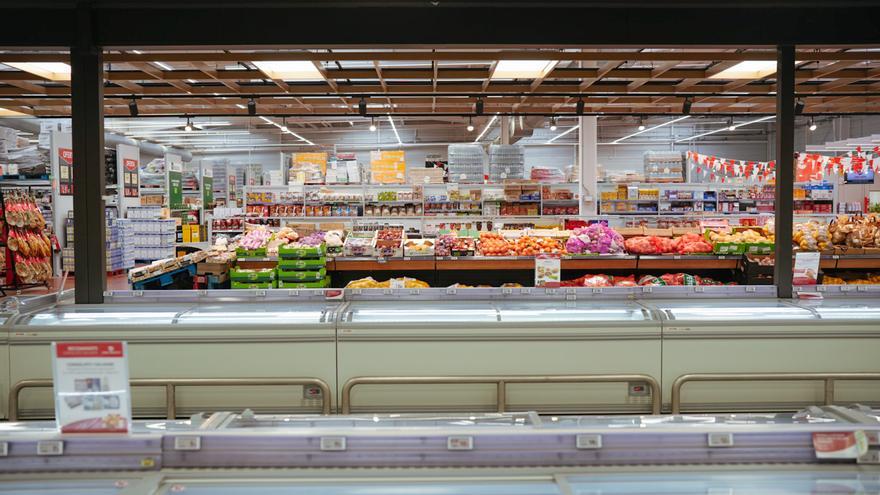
114 282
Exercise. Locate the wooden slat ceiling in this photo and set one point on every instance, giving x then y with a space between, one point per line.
450 81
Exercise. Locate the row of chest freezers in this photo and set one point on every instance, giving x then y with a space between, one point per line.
337 341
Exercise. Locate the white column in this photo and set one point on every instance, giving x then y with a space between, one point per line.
588 160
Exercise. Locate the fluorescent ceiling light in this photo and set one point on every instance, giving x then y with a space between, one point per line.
486 129
164 66
239 105
749 69
522 69
649 129
394 128
5 112
53 71
726 128
298 70
563 133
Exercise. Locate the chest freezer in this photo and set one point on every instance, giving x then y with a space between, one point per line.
186 340
4 369
496 338
768 336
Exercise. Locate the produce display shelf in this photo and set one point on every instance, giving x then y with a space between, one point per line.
693 262
613 262
486 263
382 264
859 261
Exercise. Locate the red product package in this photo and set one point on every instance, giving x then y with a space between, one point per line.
597 281
651 280
629 281
680 279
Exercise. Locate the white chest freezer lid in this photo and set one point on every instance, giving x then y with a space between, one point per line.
844 309
245 315
435 312
733 310
571 311
115 315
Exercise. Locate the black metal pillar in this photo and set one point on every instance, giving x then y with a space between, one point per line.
784 168
87 119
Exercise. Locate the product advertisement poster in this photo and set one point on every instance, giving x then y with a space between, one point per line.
806 268
548 272
92 393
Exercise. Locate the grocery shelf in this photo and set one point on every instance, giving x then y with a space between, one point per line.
382 264
486 263
688 262
613 262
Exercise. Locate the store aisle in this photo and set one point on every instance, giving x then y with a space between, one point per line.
114 282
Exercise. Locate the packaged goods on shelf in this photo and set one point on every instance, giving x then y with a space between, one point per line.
153 238
664 166
752 241
394 283
506 161
359 244
671 279
547 175
425 175
466 163
855 231
418 246
852 279
307 168
388 242
811 236
21 159
387 167
343 169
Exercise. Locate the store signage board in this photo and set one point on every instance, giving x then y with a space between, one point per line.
92 392
175 181
65 171
548 272
207 187
806 268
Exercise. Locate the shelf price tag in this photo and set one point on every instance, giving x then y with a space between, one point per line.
451 292
462 442
50 447
187 443
4 449
720 439
588 441
333 444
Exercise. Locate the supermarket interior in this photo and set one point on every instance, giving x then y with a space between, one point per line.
640 260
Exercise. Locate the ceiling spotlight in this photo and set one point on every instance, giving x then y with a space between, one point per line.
188 127
133 108
283 124
641 124
686 106
478 107
730 124
362 106
812 124
799 106
552 123
470 126
579 106
252 107
373 125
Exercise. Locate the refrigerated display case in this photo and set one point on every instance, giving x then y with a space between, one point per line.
212 339
517 337
768 336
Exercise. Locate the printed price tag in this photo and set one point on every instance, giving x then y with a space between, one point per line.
720 440
260 293
460 443
507 290
333 444
588 441
451 292
187 443
4 449
50 447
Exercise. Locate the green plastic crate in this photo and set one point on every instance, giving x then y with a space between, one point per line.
728 248
250 253
302 275
759 248
312 252
255 285
264 275
302 264
320 284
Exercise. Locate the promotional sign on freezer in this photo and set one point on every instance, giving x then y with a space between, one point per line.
91 387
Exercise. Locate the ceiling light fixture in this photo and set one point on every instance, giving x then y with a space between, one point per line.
649 129
252 107
295 70
730 124
552 123
133 107
725 128
522 69
563 133
686 106
486 129
394 128
239 105
812 124
579 106
641 124
362 106
373 124
478 106
470 126
53 71
5 112
748 69
188 127
283 124
164 66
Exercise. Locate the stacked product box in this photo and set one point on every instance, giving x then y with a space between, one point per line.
302 267
465 163
119 242
506 161
153 238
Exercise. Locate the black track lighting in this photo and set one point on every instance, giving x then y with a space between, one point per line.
579 106
799 106
133 108
362 107
252 107
284 124
552 123
470 126
188 127
478 107
813 126
686 106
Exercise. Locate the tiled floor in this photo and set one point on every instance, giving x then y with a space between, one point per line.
114 282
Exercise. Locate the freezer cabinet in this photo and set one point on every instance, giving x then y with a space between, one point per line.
4 368
768 336
480 338
237 340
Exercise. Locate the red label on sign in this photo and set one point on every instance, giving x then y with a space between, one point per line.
89 349
129 164
66 154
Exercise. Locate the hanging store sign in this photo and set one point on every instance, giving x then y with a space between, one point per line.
65 171
207 188
92 393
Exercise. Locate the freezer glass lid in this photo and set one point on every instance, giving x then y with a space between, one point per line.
109 486
362 487
109 314
238 314
732 310
845 309
378 421
549 311
422 312
684 420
